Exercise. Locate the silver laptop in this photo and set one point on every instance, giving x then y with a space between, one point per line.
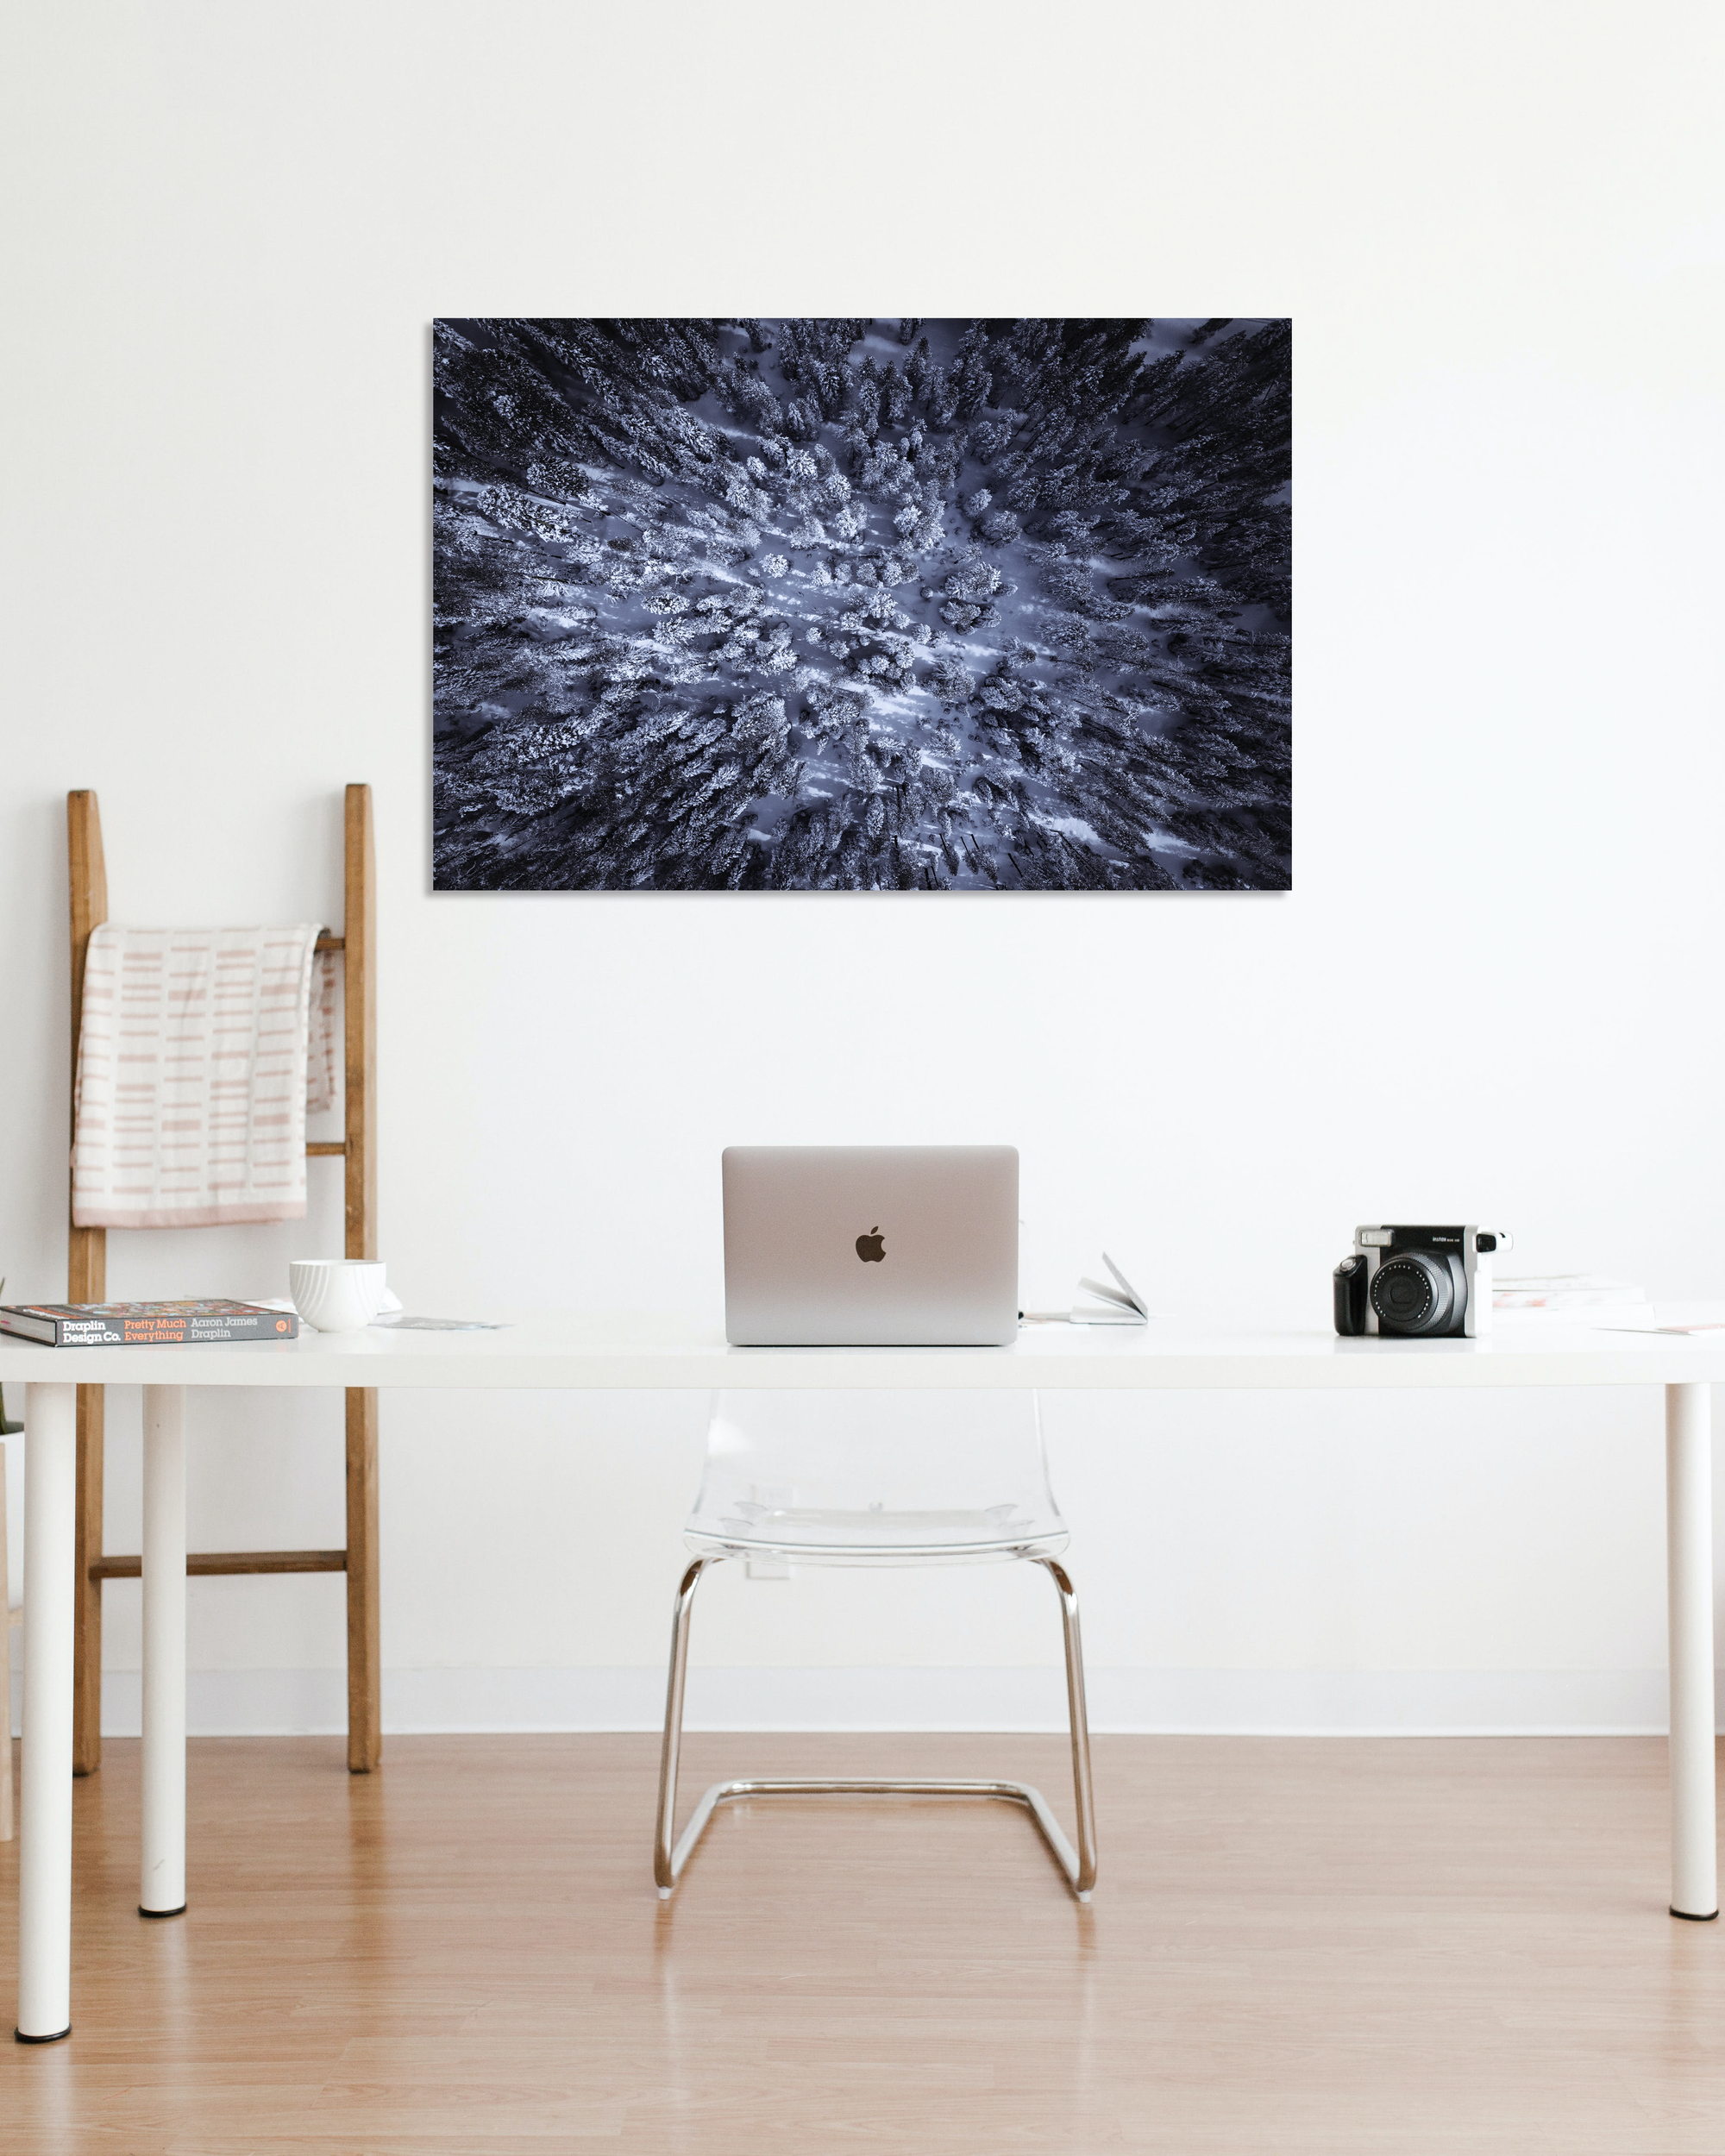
871 1245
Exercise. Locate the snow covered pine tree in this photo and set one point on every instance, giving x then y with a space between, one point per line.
762 604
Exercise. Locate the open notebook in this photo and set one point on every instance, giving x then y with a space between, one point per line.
1118 1305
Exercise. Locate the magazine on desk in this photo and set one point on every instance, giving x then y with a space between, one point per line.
394 1319
144 1324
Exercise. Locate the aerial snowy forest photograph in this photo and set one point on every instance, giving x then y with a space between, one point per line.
862 606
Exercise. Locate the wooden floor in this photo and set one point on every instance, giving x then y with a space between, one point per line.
1326 1946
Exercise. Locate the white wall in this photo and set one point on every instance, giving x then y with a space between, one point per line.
1491 994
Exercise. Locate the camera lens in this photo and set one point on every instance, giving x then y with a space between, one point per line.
1413 1293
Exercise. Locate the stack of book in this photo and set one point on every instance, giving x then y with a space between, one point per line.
144 1324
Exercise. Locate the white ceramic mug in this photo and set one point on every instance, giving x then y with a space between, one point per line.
336 1295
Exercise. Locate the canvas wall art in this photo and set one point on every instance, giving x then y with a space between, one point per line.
862 606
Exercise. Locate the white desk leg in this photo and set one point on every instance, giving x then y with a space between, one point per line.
45 1841
162 1892
1689 1582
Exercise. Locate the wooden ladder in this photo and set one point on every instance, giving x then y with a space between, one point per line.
87 1281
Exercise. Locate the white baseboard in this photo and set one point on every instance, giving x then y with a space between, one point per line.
1355 1702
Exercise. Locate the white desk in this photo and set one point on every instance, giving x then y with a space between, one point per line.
646 1354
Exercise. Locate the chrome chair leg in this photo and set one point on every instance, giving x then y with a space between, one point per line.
1078 1720
1079 1866
665 1867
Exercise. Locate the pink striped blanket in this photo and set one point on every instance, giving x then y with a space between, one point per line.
199 1051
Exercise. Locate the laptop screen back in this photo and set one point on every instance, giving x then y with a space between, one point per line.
871 1245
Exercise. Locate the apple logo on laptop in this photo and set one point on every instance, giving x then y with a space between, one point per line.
871 1248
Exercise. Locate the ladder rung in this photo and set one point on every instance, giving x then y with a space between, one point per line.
323 1148
230 1561
331 942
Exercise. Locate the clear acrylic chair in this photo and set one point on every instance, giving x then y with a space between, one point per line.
882 1478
